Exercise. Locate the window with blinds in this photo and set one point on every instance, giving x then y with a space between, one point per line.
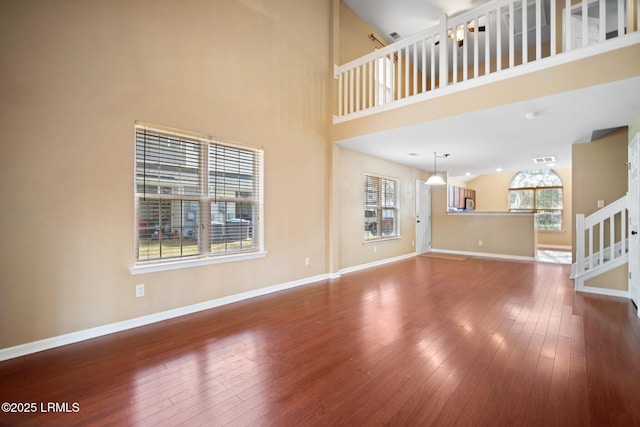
195 196
380 207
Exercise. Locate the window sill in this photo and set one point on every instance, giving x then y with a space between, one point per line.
382 239
194 262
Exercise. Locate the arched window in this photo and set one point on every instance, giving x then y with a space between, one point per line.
538 191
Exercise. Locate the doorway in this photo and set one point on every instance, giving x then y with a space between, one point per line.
634 223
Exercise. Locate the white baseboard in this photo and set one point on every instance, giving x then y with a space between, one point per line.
604 291
485 255
376 263
74 337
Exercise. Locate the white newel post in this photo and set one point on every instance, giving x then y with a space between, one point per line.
579 243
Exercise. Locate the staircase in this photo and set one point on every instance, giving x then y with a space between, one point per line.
601 244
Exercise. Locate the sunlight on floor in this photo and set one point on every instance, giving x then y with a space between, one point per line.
556 257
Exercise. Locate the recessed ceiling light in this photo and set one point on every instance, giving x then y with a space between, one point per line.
530 115
468 174
551 164
498 169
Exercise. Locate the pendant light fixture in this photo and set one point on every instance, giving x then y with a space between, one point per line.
436 179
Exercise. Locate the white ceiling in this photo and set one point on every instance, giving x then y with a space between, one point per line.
502 137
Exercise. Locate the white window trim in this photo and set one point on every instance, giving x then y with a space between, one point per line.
153 267
156 265
397 208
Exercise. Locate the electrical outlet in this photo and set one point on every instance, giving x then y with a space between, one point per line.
600 203
479 242
306 261
139 291
375 249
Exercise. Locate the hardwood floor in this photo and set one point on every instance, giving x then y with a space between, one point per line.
421 342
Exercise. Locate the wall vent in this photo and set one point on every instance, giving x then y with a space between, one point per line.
544 159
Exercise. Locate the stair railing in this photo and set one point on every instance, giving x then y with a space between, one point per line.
597 247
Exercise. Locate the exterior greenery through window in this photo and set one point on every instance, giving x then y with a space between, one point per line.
195 196
538 191
380 207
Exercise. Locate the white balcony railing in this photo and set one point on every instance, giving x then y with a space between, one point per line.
485 41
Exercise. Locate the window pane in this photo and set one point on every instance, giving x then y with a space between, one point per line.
371 221
232 172
166 164
232 227
536 178
550 198
371 191
388 222
388 193
167 228
520 200
549 220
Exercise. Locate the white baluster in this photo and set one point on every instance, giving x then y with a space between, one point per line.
567 25
585 22
424 65
511 37
525 33
602 25
340 95
620 18
358 83
475 48
498 40
487 44
538 29
455 56
580 243
444 63
465 53
415 69
351 91
433 63
553 27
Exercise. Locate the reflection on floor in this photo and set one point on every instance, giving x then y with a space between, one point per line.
557 257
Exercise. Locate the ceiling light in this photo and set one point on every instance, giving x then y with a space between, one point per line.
498 169
414 154
530 115
436 179
468 174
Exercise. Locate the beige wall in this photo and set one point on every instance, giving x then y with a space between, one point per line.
77 74
354 36
508 234
350 171
492 195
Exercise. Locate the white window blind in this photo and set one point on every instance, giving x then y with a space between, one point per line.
380 207
195 196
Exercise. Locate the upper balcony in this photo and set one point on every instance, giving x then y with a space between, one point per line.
484 46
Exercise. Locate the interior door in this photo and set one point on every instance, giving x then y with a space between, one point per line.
423 217
634 214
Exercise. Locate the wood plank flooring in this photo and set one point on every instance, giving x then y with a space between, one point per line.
425 341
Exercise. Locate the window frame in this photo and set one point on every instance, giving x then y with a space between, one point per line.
202 197
535 197
380 207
